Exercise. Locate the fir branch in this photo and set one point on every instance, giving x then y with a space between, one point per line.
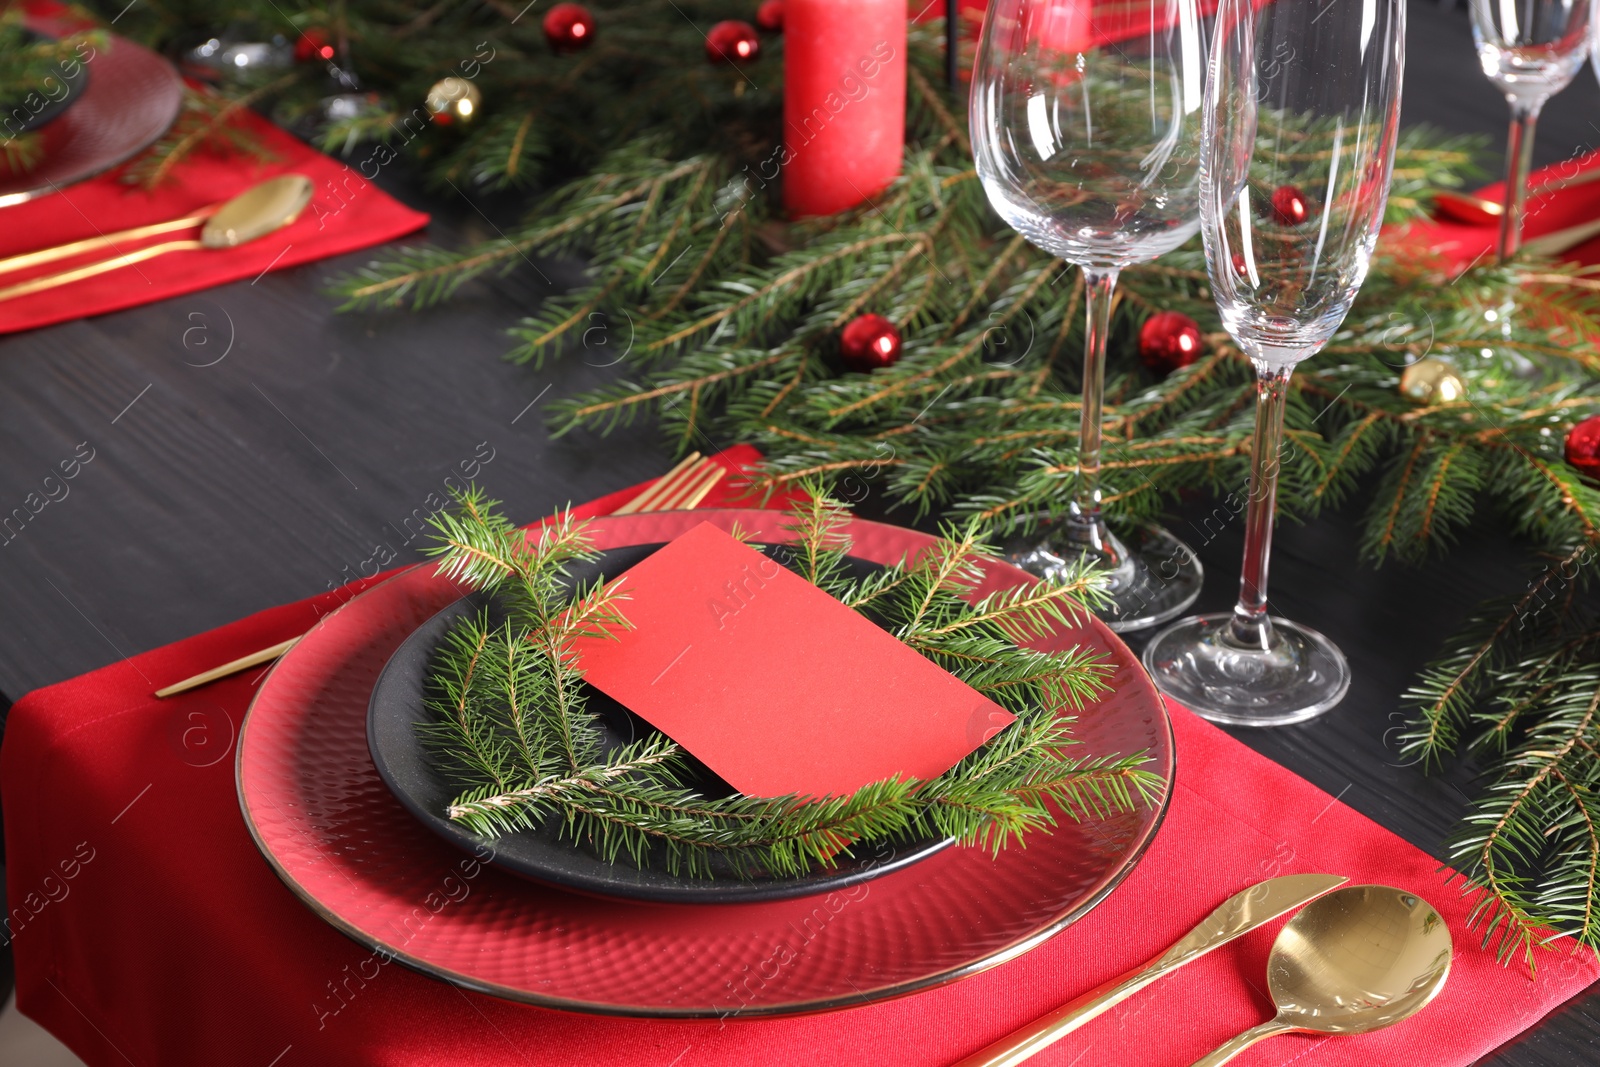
207 120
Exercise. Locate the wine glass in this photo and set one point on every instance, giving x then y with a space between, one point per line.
1302 109
1529 49
1085 119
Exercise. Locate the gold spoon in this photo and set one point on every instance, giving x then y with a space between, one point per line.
1354 961
1466 208
254 213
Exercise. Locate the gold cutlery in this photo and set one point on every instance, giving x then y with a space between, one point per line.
254 213
136 233
106 240
1466 208
1355 961
680 488
683 487
1479 211
1550 244
1236 916
243 663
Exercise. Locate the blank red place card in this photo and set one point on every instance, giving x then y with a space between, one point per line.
776 686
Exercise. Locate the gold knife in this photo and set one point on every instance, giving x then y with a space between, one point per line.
1238 915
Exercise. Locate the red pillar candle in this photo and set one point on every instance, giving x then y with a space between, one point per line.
844 101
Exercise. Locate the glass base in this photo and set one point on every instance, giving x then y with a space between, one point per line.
1197 662
1155 578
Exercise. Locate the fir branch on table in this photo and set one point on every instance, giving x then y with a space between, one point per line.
547 117
509 722
1524 677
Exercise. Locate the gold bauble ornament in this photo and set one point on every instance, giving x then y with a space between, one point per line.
454 100
1432 381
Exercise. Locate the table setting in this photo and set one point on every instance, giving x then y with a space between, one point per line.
892 718
1232 820
68 201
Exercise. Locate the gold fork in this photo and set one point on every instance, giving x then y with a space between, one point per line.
681 488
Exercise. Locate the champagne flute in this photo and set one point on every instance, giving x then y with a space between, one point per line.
1085 119
1529 49
1302 110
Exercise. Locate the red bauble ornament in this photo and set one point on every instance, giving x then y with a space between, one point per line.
313 44
1583 447
733 41
568 27
869 342
1169 340
1289 205
1240 267
769 16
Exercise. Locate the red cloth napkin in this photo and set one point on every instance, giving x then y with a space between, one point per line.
347 213
1458 246
148 930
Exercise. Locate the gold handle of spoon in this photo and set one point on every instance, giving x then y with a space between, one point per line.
1229 1049
66 277
105 240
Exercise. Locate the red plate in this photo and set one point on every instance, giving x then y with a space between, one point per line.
339 839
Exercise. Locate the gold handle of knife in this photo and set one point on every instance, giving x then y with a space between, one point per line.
1035 1037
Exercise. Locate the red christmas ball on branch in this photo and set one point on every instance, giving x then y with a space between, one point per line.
568 27
769 16
732 40
313 44
1169 340
1289 205
869 342
1583 447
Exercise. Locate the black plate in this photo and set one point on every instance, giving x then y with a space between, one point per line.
541 855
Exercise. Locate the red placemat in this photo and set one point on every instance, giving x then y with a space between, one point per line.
348 212
148 930
1459 246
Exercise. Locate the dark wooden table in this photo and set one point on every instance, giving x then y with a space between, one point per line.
284 468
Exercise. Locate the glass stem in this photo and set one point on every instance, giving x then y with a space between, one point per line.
1519 157
1088 527
1250 626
